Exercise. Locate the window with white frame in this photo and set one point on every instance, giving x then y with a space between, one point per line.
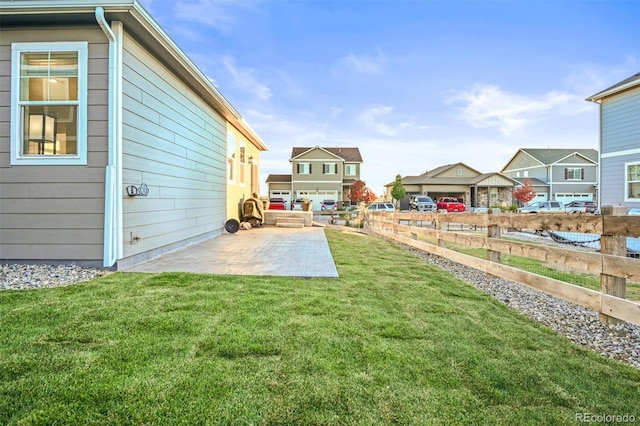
304 168
243 160
574 173
330 169
459 171
49 103
231 156
632 181
350 170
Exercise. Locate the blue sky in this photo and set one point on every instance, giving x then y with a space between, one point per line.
413 84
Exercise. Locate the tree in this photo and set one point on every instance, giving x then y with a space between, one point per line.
398 192
360 192
525 193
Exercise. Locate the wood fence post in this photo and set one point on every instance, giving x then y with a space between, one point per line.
614 245
493 231
440 227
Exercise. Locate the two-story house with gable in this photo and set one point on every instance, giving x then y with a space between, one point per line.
318 174
620 143
556 174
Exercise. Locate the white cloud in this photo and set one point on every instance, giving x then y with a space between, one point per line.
364 64
246 80
489 106
377 118
213 13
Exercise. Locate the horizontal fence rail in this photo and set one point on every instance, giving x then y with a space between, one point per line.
591 244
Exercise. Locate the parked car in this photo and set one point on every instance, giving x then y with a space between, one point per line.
277 204
328 205
634 211
450 204
575 207
543 207
422 203
381 207
581 207
296 204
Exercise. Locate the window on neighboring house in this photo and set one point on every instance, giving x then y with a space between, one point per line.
330 169
231 156
632 181
49 103
573 173
243 160
350 170
493 196
304 168
525 173
459 171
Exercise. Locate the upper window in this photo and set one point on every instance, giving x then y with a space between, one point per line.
574 173
350 170
49 103
459 171
632 182
330 168
304 168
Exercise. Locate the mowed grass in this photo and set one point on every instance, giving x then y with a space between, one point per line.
393 341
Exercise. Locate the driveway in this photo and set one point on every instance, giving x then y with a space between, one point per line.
269 250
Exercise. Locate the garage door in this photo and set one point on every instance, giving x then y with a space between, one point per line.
282 194
316 197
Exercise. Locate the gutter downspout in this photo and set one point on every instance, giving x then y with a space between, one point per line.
113 178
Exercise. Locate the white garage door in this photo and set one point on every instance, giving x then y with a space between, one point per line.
282 194
317 197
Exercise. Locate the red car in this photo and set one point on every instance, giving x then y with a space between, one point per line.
277 204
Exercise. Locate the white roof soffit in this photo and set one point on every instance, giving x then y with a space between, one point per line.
142 18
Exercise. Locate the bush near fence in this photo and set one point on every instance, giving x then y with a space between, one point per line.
502 237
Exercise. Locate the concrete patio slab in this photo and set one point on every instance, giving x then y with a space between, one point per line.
268 250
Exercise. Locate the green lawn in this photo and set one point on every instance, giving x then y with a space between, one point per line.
393 341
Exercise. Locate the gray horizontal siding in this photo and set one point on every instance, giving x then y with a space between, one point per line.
176 145
621 122
55 213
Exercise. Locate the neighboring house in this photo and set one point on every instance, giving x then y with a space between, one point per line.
620 143
458 180
114 147
318 174
556 174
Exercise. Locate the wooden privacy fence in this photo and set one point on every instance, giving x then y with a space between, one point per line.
612 264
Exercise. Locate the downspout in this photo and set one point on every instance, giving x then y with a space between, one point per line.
113 179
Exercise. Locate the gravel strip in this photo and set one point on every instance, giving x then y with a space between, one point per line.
25 277
577 323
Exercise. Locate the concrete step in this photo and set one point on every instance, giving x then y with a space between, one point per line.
289 225
290 222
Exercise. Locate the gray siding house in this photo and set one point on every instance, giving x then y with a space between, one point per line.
620 143
112 143
556 174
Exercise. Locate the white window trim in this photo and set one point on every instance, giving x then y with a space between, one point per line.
302 172
626 181
231 158
242 162
82 47
347 167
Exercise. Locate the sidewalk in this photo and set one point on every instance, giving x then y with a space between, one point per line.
295 252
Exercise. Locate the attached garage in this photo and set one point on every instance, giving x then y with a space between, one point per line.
316 197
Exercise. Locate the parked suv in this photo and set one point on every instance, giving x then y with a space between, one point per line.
581 207
543 207
328 205
422 203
